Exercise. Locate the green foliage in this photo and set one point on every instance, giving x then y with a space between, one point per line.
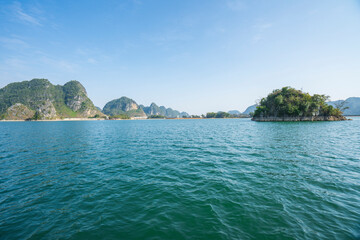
289 102
156 116
36 92
72 89
342 106
223 115
119 116
95 116
37 116
65 111
219 115
136 113
118 106
29 93
210 115
350 106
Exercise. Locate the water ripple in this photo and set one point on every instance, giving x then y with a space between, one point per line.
185 179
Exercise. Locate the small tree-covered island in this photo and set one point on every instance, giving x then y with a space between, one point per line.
290 105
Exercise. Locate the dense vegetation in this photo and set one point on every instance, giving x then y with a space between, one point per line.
289 102
47 100
123 106
119 116
156 116
224 115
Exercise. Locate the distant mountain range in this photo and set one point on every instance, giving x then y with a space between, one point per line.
248 110
234 112
353 104
128 106
38 99
154 109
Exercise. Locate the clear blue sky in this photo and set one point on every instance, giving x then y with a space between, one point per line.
195 56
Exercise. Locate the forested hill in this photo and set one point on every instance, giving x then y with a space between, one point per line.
123 107
39 99
289 102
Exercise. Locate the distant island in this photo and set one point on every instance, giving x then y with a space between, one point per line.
289 104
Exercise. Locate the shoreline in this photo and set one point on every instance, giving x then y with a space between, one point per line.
256 120
102 119
300 119
56 120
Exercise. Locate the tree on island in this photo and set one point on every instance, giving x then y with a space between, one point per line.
341 106
37 116
218 115
289 102
119 116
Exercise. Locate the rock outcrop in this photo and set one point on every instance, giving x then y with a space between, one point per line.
47 110
18 111
155 110
40 98
123 106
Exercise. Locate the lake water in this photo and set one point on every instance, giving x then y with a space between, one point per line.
180 179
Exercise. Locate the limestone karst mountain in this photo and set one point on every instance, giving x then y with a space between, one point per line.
39 99
123 105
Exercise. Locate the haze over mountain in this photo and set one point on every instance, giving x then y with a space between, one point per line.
250 109
154 109
234 112
353 104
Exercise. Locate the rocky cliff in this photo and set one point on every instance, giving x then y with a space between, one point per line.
39 99
125 106
154 109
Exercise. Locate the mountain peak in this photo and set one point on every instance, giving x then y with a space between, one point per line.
45 100
123 105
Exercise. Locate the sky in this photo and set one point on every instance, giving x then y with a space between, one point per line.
191 55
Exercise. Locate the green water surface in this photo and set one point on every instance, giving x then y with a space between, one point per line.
180 179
